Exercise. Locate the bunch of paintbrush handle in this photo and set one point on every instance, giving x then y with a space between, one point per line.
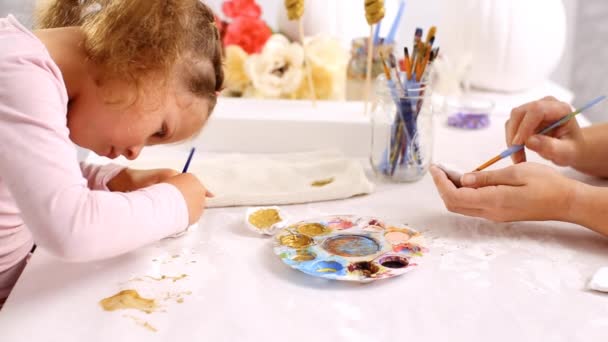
423 54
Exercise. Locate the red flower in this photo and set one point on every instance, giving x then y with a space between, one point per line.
249 33
241 8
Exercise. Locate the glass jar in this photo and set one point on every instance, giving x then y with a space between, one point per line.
402 130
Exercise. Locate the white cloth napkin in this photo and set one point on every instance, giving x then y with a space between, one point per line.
274 179
599 281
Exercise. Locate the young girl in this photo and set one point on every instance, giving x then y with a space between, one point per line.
110 76
529 191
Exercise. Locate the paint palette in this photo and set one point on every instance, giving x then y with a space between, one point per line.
349 247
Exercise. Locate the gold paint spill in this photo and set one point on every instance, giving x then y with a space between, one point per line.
128 299
178 297
303 255
141 322
295 240
313 229
322 182
264 218
164 277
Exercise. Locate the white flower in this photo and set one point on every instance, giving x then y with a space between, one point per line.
328 61
277 71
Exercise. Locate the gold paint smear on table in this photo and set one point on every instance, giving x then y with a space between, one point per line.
163 277
322 182
178 297
141 322
128 299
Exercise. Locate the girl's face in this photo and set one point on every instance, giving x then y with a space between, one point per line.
160 115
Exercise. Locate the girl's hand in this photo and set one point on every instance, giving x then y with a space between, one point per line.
194 193
188 184
131 179
563 146
525 191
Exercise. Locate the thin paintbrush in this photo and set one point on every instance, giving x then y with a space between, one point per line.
393 64
407 64
189 159
516 148
393 31
417 39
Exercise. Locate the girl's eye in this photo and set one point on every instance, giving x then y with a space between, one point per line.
162 132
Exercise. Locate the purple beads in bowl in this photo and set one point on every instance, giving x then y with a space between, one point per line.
469 120
468 113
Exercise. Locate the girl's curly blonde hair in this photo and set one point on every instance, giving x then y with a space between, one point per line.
132 38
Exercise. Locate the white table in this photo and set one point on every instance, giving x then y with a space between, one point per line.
481 281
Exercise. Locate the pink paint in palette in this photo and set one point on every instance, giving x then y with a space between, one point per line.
349 247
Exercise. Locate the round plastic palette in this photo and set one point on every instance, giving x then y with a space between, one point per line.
349 247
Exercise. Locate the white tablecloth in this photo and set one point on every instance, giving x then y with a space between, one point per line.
481 281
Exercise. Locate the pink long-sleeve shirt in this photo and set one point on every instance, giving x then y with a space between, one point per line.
46 196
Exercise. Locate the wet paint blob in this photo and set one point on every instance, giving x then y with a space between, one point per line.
351 245
394 261
303 255
128 299
295 240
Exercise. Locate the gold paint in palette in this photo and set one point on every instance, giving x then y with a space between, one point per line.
296 240
303 255
313 229
128 299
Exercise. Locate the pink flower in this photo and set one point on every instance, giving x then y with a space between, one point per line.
241 8
249 33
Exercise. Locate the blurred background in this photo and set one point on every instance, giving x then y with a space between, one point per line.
580 67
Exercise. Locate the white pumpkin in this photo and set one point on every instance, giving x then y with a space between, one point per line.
512 45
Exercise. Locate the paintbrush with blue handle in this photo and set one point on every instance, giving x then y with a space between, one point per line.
516 148
189 160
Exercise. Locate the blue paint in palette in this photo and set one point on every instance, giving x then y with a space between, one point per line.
328 267
351 245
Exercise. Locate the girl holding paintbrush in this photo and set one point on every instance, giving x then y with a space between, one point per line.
111 76
534 192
